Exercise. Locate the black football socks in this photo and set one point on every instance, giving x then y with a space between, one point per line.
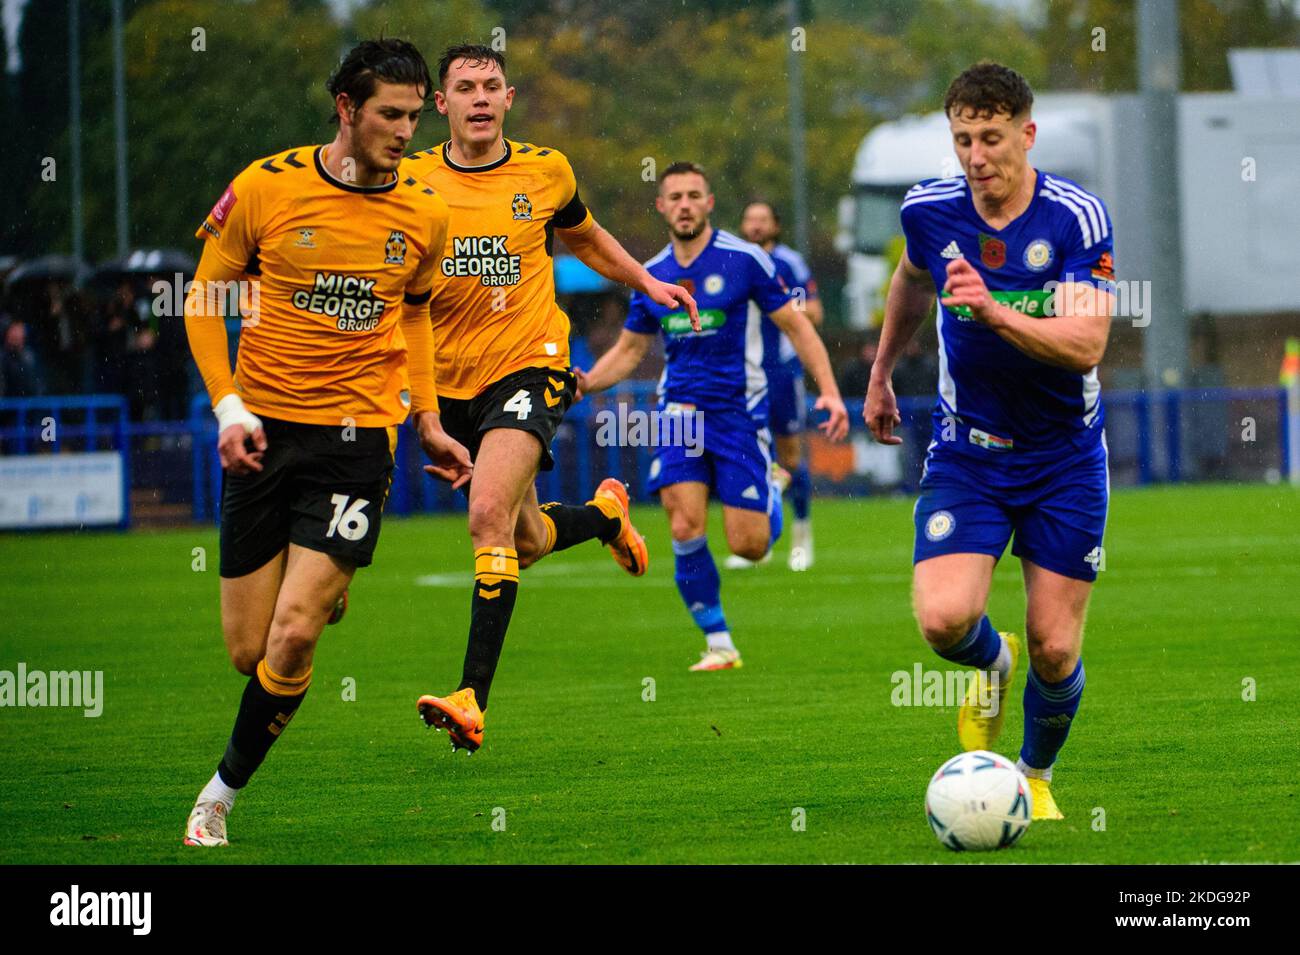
496 584
268 704
570 524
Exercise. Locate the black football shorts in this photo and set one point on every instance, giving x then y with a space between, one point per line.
321 487
532 400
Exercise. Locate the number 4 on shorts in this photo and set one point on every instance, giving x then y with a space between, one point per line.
350 522
520 404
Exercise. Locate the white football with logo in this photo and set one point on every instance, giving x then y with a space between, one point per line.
978 801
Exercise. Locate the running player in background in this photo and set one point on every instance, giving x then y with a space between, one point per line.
503 355
714 387
787 398
1023 261
343 254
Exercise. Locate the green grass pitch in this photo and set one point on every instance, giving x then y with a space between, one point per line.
1200 595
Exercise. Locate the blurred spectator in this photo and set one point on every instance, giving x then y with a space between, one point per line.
142 369
58 334
856 374
111 337
19 375
98 340
917 373
174 385
128 359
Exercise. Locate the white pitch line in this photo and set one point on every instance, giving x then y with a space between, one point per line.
578 575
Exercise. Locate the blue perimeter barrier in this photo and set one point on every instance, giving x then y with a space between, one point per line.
1151 437
72 423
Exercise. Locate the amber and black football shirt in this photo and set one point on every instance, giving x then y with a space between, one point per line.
332 263
493 307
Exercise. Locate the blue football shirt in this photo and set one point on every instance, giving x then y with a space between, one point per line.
719 368
999 397
778 351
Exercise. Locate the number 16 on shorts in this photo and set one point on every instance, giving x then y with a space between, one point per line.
349 520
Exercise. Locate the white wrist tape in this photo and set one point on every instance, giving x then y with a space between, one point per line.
230 410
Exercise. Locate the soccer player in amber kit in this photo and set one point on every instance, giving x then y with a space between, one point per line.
503 355
343 251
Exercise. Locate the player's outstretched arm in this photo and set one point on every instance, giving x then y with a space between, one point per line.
1073 338
615 365
910 300
205 326
812 352
600 251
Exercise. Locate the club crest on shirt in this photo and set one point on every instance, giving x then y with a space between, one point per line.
940 525
713 284
305 237
522 207
1039 255
993 252
395 248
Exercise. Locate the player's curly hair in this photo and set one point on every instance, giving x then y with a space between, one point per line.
989 88
390 60
473 53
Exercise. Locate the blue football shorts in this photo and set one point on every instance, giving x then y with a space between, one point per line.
1053 507
731 454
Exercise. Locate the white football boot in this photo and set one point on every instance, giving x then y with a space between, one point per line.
207 825
718 659
736 562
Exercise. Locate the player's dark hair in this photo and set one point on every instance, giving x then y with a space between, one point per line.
475 54
390 60
682 167
776 216
989 88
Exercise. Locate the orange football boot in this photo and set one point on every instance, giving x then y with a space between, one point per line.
458 714
628 547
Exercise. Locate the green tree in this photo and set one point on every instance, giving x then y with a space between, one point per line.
1208 30
201 106
616 95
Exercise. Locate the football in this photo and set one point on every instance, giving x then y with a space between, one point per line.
978 801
